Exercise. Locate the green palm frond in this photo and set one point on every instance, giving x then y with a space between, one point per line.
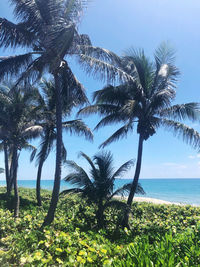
78 127
32 131
73 91
189 111
13 65
74 8
188 134
103 70
80 177
101 54
104 161
89 160
102 109
110 119
120 133
124 168
126 189
111 94
13 35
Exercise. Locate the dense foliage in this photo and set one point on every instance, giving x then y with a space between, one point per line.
160 235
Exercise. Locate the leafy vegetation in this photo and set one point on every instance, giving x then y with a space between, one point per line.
160 235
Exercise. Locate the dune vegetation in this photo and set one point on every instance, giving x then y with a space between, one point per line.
160 235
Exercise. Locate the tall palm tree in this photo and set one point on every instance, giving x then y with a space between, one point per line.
145 100
48 30
99 186
47 106
17 127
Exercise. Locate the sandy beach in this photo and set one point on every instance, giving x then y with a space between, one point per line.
151 200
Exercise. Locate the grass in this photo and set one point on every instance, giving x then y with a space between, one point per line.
160 235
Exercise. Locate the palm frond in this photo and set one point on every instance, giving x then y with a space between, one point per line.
14 65
94 170
73 91
126 189
64 153
13 35
32 131
79 177
104 161
124 168
110 119
103 70
101 54
28 11
33 154
161 99
189 111
74 8
188 134
112 94
46 144
102 109
78 127
120 133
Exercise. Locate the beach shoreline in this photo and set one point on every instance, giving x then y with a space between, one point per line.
152 200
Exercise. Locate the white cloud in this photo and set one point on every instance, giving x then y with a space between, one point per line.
198 155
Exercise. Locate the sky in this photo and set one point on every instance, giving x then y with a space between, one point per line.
118 25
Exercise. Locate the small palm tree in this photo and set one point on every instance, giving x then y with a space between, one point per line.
99 188
47 106
17 127
145 100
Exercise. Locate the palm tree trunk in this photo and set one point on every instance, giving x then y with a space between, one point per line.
56 189
99 214
135 182
15 166
5 147
137 171
11 174
38 195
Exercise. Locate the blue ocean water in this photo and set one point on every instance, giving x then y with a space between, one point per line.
185 191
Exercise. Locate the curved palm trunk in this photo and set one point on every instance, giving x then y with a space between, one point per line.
137 171
135 181
39 173
5 147
56 189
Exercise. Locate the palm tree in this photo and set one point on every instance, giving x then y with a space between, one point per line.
17 127
46 104
99 188
145 100
48 29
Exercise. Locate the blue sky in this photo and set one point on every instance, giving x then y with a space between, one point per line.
117 25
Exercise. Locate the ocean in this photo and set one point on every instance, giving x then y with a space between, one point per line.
186 191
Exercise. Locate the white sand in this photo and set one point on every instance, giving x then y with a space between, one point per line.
150 200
